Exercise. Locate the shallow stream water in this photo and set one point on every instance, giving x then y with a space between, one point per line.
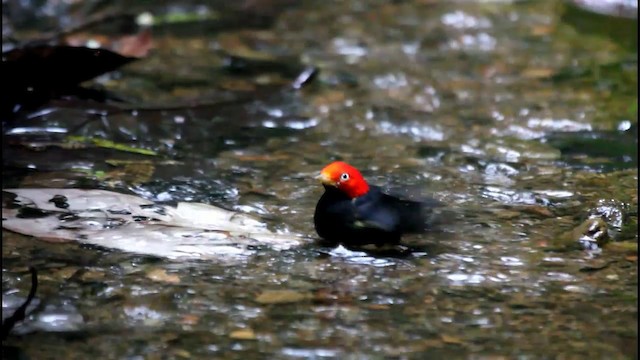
520 116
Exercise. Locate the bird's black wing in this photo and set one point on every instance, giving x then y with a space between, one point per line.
375 211
375 217
412 214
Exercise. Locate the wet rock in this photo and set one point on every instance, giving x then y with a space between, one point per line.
181 353
590 234
92 275
521 301
56 319
607 150
144 315
190 319
237 85
53 179
610 210
280 297
499 174
515 150
623 247
538 210
597 265
593 230
576 289
507 214
248 44
553 262
66 273
629 231
329 99
134 172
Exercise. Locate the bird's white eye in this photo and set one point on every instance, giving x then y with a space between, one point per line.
344 177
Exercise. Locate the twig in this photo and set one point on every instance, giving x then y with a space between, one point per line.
20 313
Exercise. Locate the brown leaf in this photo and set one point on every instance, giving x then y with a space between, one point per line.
182 353
237 85
541 30
537 73
538 210
92 275
328 98
190 319
447 339
378 307
244 334
137 45
160 275
325 296
507 214
66 273
82 39
245 44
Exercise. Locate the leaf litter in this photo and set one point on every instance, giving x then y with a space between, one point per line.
133 224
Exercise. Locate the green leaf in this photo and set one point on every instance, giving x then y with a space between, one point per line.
110 145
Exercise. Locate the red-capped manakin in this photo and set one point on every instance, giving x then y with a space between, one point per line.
352 212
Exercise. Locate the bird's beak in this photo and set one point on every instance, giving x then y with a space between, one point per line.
325 179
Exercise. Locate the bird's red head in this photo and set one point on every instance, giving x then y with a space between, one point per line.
344 177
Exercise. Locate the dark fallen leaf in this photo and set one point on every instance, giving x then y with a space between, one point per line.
57 66
608 150
248 66
266 7
34 74
614 19
598 267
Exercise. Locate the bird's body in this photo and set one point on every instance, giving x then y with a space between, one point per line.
355 213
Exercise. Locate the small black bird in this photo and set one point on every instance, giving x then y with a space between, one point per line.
353 212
